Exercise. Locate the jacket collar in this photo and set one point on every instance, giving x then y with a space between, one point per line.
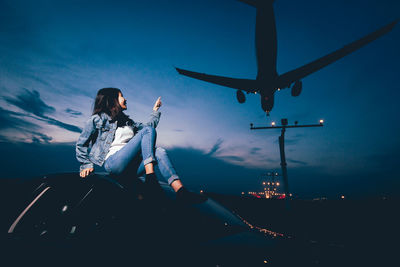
105 116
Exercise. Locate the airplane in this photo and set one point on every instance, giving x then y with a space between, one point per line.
268 80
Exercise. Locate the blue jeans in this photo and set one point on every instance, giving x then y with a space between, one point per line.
139 151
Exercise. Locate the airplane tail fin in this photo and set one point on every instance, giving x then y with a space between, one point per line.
256 3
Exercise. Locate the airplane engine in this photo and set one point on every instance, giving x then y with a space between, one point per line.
296 89
240 96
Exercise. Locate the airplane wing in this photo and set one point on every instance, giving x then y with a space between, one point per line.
247 85
287 78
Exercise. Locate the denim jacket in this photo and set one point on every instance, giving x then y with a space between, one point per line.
95 140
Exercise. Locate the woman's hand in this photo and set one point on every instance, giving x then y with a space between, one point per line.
85 172
158 104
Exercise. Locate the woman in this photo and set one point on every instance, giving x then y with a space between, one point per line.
111 138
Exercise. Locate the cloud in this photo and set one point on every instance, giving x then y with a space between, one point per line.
289 141
61 124
73 112
255 150
216 147
37 79
11 120
232 158
39 138
297 161
31 102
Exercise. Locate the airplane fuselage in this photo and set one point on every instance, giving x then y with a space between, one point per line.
266 44
266 53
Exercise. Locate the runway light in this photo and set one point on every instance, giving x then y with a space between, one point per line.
273 123
64 209
321 121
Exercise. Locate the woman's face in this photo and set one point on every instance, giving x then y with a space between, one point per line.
122 101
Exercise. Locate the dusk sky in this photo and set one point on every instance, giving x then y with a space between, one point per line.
55 55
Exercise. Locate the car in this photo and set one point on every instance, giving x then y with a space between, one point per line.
104 218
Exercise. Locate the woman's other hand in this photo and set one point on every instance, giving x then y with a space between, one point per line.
158 104
85 172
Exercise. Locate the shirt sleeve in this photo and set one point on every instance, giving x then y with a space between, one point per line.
153 121
84 141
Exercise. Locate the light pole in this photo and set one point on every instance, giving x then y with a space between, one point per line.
283 128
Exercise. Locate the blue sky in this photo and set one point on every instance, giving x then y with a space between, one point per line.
55 55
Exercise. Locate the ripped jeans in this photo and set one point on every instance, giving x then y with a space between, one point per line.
139 151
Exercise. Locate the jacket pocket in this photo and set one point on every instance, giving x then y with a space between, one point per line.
104 132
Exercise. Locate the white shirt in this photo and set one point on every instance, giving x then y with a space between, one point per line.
122 136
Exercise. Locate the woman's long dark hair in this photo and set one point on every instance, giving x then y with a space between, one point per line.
107 101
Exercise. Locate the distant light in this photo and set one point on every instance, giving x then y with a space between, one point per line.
342 197
268 183
277 183
242 193
279 89
276 174
273 123
263 183
64 209
73 230
201 191
265 262
321 121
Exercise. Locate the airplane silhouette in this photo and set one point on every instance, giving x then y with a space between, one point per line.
268 81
